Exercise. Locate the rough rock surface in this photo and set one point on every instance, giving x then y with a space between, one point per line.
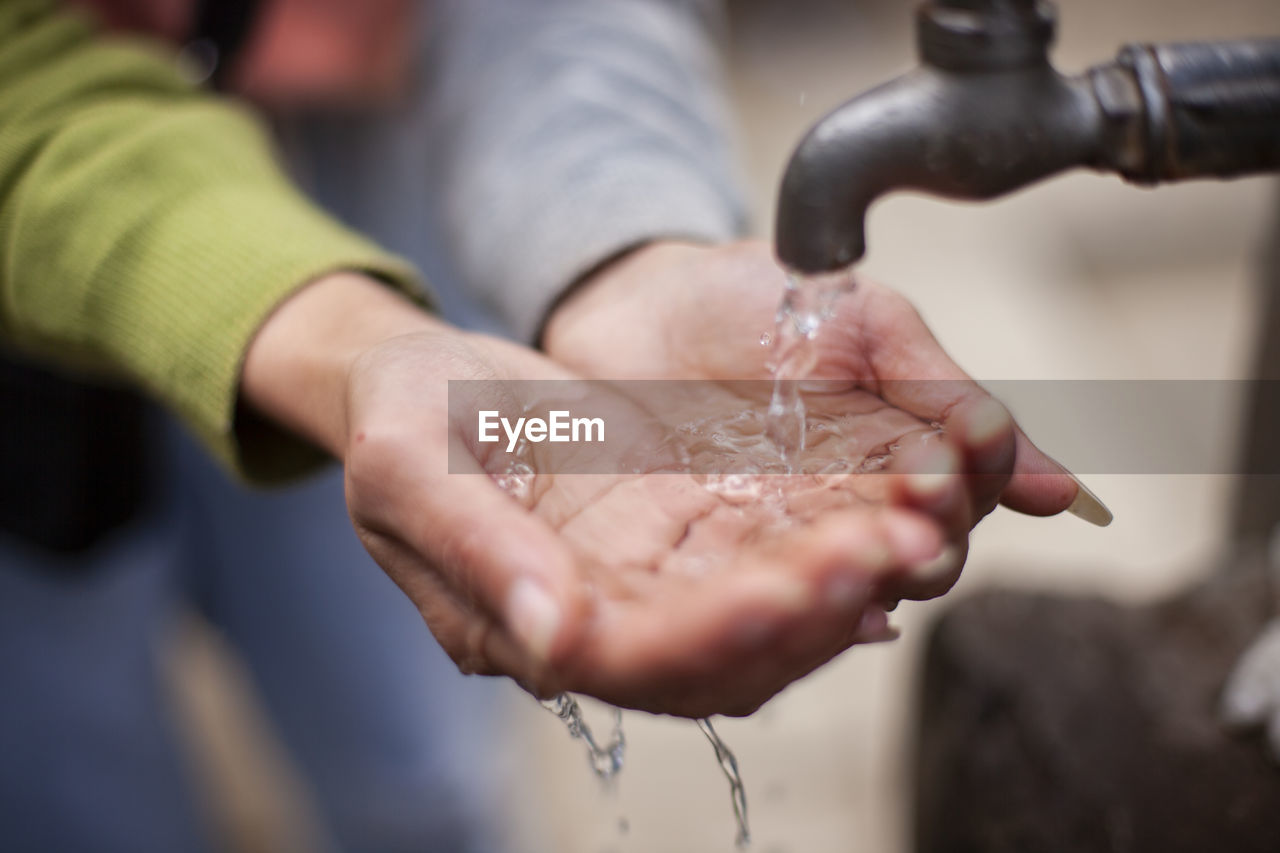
1061 725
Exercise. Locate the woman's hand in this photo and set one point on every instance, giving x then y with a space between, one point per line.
643 588
671 310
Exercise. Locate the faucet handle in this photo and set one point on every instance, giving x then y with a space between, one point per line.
985 35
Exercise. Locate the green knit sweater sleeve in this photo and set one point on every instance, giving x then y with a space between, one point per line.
145 227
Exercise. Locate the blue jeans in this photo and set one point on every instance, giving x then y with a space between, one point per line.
376 717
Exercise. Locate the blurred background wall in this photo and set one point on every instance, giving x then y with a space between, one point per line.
1080 278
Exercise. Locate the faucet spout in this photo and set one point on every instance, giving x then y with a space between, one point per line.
985 114
961 135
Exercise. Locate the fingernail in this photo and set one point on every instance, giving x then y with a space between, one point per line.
874 627
912 539
934 477
987 420
1087 506
874 620
533 616
943 565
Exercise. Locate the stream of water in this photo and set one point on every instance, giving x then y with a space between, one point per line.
737 791
605 758
807 303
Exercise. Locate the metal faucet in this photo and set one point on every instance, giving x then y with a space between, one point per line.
985 113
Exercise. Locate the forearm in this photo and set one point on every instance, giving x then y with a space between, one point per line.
571 130
148 229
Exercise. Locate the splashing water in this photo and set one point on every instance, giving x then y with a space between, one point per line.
808 302
729 766
605 759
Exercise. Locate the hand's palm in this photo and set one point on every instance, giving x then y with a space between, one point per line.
704 559
681 587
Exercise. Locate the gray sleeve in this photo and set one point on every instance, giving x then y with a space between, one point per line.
567 131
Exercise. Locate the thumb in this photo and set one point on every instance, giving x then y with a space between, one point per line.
495 556
1041 486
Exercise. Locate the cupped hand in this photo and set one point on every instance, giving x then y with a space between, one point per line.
643 587
672 310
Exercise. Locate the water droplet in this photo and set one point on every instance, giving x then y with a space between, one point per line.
517 481
873 463
765 339
734 488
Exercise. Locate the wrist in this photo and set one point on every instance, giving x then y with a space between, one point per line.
296 368
623 282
